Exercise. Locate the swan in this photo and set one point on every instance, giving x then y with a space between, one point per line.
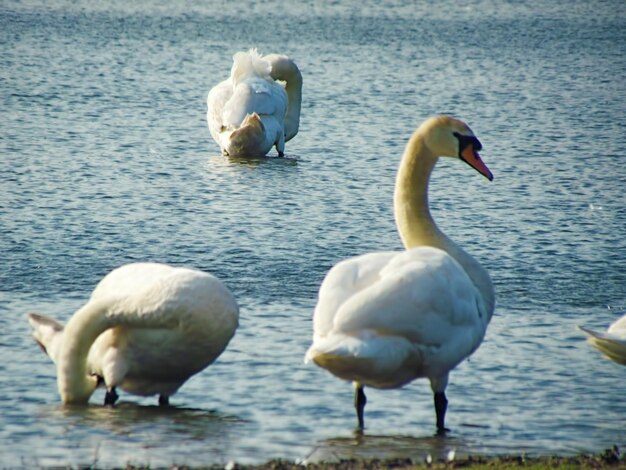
611 343
147 328
386 318
251 111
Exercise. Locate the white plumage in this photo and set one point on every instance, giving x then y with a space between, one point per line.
384 319
146 329
250 112
611 343
397 316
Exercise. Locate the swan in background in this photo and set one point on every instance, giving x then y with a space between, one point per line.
250 112
146 329
611 343
384 319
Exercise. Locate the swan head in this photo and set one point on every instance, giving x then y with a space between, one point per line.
446 136
49 335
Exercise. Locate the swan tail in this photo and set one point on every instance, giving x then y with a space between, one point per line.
249 139
612 347
370 359
47 332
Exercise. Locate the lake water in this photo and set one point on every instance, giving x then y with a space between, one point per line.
105 159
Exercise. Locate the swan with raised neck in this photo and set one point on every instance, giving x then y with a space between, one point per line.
384 319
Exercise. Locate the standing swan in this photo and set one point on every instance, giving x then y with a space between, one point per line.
146 329
384 319
612 343
250 112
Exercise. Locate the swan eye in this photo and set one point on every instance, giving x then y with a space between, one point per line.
467 140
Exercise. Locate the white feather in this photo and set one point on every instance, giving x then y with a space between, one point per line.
155 326
384 319
611 343
393 316
249 112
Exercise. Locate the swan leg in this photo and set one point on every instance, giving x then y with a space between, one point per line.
359 403
280 146
164 400
441 405
110 397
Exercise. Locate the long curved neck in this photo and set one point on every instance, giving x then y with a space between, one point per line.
285 69
414 221
415 224
73 380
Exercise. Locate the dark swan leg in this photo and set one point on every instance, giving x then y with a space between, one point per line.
441 405
359 403
164 400
110 397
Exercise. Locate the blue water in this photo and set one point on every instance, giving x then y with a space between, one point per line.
105 159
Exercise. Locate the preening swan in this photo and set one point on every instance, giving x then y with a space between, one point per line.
384 319
250 112
146 329
611 343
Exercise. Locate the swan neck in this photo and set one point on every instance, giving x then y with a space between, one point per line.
415 223
148 310
73 380
294 103
286 70
411 209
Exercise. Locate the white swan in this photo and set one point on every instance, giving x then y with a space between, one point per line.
611 343
250 112
146 329
384 319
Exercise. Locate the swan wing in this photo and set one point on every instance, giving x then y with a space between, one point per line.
153 295
422 295
346 279
255 95
216 100
417 294
385 318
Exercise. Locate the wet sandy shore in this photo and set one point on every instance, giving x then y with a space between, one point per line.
610 458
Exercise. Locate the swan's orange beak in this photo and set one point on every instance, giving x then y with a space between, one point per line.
471 157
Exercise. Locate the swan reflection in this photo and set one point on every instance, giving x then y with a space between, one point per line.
363 446
132 433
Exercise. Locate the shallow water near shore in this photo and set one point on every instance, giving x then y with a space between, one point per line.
106 159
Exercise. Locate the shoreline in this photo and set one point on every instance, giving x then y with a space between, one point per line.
609 458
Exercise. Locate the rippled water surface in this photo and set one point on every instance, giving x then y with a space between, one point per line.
106 159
